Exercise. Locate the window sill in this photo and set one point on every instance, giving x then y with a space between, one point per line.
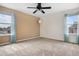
5 34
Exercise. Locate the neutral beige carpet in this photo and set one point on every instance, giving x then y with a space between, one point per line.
40 47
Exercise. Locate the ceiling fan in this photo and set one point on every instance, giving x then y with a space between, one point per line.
39 8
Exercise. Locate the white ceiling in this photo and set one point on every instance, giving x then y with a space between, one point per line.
56 7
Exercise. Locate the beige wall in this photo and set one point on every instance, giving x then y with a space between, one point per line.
27 26
4 39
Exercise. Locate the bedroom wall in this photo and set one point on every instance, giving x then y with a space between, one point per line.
27 26
52 25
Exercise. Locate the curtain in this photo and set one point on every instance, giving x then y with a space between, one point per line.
13 29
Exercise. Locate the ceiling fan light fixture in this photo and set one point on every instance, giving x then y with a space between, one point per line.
40 8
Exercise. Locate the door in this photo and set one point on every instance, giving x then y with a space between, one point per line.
71 29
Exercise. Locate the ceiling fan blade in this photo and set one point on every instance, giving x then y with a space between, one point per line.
35 11
42 11
32 7
45 7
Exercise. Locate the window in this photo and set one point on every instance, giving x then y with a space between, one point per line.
71 29
5 24
71 24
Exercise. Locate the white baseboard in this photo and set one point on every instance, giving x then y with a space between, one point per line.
18 41
53 38
27 39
